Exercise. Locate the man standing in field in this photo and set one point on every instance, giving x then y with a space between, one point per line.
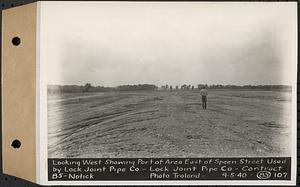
204 94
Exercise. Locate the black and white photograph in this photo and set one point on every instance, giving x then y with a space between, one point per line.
150 93
168 92
170 79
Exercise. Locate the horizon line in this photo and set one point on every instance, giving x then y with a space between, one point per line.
171 85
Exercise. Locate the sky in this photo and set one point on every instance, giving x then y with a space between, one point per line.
112 44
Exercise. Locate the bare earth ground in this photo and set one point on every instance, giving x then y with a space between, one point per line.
169 124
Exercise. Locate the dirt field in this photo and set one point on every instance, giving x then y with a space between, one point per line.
169 124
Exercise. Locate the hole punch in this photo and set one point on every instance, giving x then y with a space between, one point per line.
16 144
16 41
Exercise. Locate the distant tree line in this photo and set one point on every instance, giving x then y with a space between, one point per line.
220 86
136 87
54 89
251 87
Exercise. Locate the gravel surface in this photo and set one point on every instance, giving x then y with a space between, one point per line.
169 124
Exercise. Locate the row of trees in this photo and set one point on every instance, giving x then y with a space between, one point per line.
136 87
52 89
182 87
220 86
